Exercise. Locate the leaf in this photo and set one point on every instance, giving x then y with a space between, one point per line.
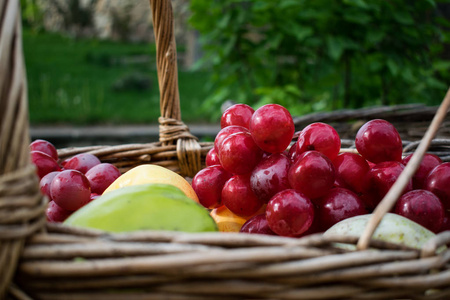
403 17
335 47
392 66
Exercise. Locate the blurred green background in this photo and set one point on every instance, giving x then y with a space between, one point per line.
309 56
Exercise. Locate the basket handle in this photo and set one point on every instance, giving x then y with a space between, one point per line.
171 128
19 184
397 188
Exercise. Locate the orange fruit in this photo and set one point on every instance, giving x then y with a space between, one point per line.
227 221
149 173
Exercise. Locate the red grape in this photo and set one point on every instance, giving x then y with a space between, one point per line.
379 180
238 197
45 183
44 146
350 170
320 137
427 164
438 182
270 176
44 163
81 162
70 189
101 176
446 222
237 114
338 204
225 132
312 174
257 225
212 158
272 128
378 141
208 184
239 154
290 213
423 207
55 213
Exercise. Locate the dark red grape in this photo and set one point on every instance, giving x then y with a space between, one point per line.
238 197
438 182
81 162
379 141
225 132
272 128
351 169
312 174
70 189
270 176
239 153
237 114
44 163
427 164
212 158
338 204
55 213
290 213
423 207
379 180
45 183
44 146
320 137
208 184
257 225
102 176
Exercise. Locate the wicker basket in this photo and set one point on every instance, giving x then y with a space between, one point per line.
48 261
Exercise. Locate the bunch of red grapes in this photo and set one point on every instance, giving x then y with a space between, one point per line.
308 184
71 183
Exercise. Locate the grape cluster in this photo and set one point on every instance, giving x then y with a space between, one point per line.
71 183
306 185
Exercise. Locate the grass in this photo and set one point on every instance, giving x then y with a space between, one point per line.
72 81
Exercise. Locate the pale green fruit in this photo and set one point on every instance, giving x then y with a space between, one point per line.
144 207
392 228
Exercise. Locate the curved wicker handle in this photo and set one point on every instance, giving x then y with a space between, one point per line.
172 129
21 204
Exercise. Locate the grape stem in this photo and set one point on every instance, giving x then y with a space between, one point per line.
397 188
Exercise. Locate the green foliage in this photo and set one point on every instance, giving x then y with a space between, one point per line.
87 81
321 55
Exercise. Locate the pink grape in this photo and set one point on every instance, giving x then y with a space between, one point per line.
70 189
238 197
320 137
338 204
225 132
208 184
379 180
44 163
45 183
312 174
101 176
257 225
290 213
429 161
272 128
44 146
239 153
212 158
438 182
237 114
351 169
270 176
81 162
378 141
423 207
55 213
